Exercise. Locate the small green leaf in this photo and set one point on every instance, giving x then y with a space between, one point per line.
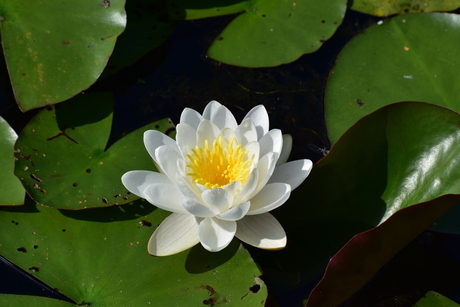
11 190
406 58
271 32
390 7
99 256
434 299
56 49
64 161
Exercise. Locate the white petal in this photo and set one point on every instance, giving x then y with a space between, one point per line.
292 173
270 197
218 199
265 167
167 161
216 234
188 189
165 196
233 187
154 139
175 234
210 109
259 117
248 188
262 231
186 136
197 209
207 130
191 117
246 132
235 213
253 153
223 118
137 181
271 142
227 134
286 150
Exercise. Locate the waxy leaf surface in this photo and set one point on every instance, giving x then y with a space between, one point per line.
63 159
434 299
390 7
56 49
99 257
409 57
11 190
399 156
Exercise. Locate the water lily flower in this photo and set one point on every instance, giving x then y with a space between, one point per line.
219 179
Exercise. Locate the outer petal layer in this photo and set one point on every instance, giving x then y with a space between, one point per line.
269 198
137 181
262 231
292 173
175 234
216 234
165 196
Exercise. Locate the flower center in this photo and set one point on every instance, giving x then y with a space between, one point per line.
219 166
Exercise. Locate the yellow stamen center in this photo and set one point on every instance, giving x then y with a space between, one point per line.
218 166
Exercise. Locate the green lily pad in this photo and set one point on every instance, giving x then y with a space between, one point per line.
99 257
198 9
271 32
399 156
434 299
63 159
10 187
406 58
390 7
56 49
9 300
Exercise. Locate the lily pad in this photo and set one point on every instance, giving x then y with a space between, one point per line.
408 57
56 49
198 9
271 32
390 7
63 159
399 156
434 299
99 257
10 187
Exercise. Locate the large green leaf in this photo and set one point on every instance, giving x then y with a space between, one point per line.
390 7
434 299
99 256
399 156
63 159
197 9
272 32
409 57
56 49
11 189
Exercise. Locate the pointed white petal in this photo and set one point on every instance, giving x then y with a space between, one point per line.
188 189
226 135
186 136
292 173
197 209
269 198
216 234
248 188
167 161
286 150
262 231
210 109
207 130
191 117
223 118
272 141
154 139
175 234
137 181
246 132
218 199
165 196
235 213
259 117
253 153
265 167
233 187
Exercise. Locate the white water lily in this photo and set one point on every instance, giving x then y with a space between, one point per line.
219 179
